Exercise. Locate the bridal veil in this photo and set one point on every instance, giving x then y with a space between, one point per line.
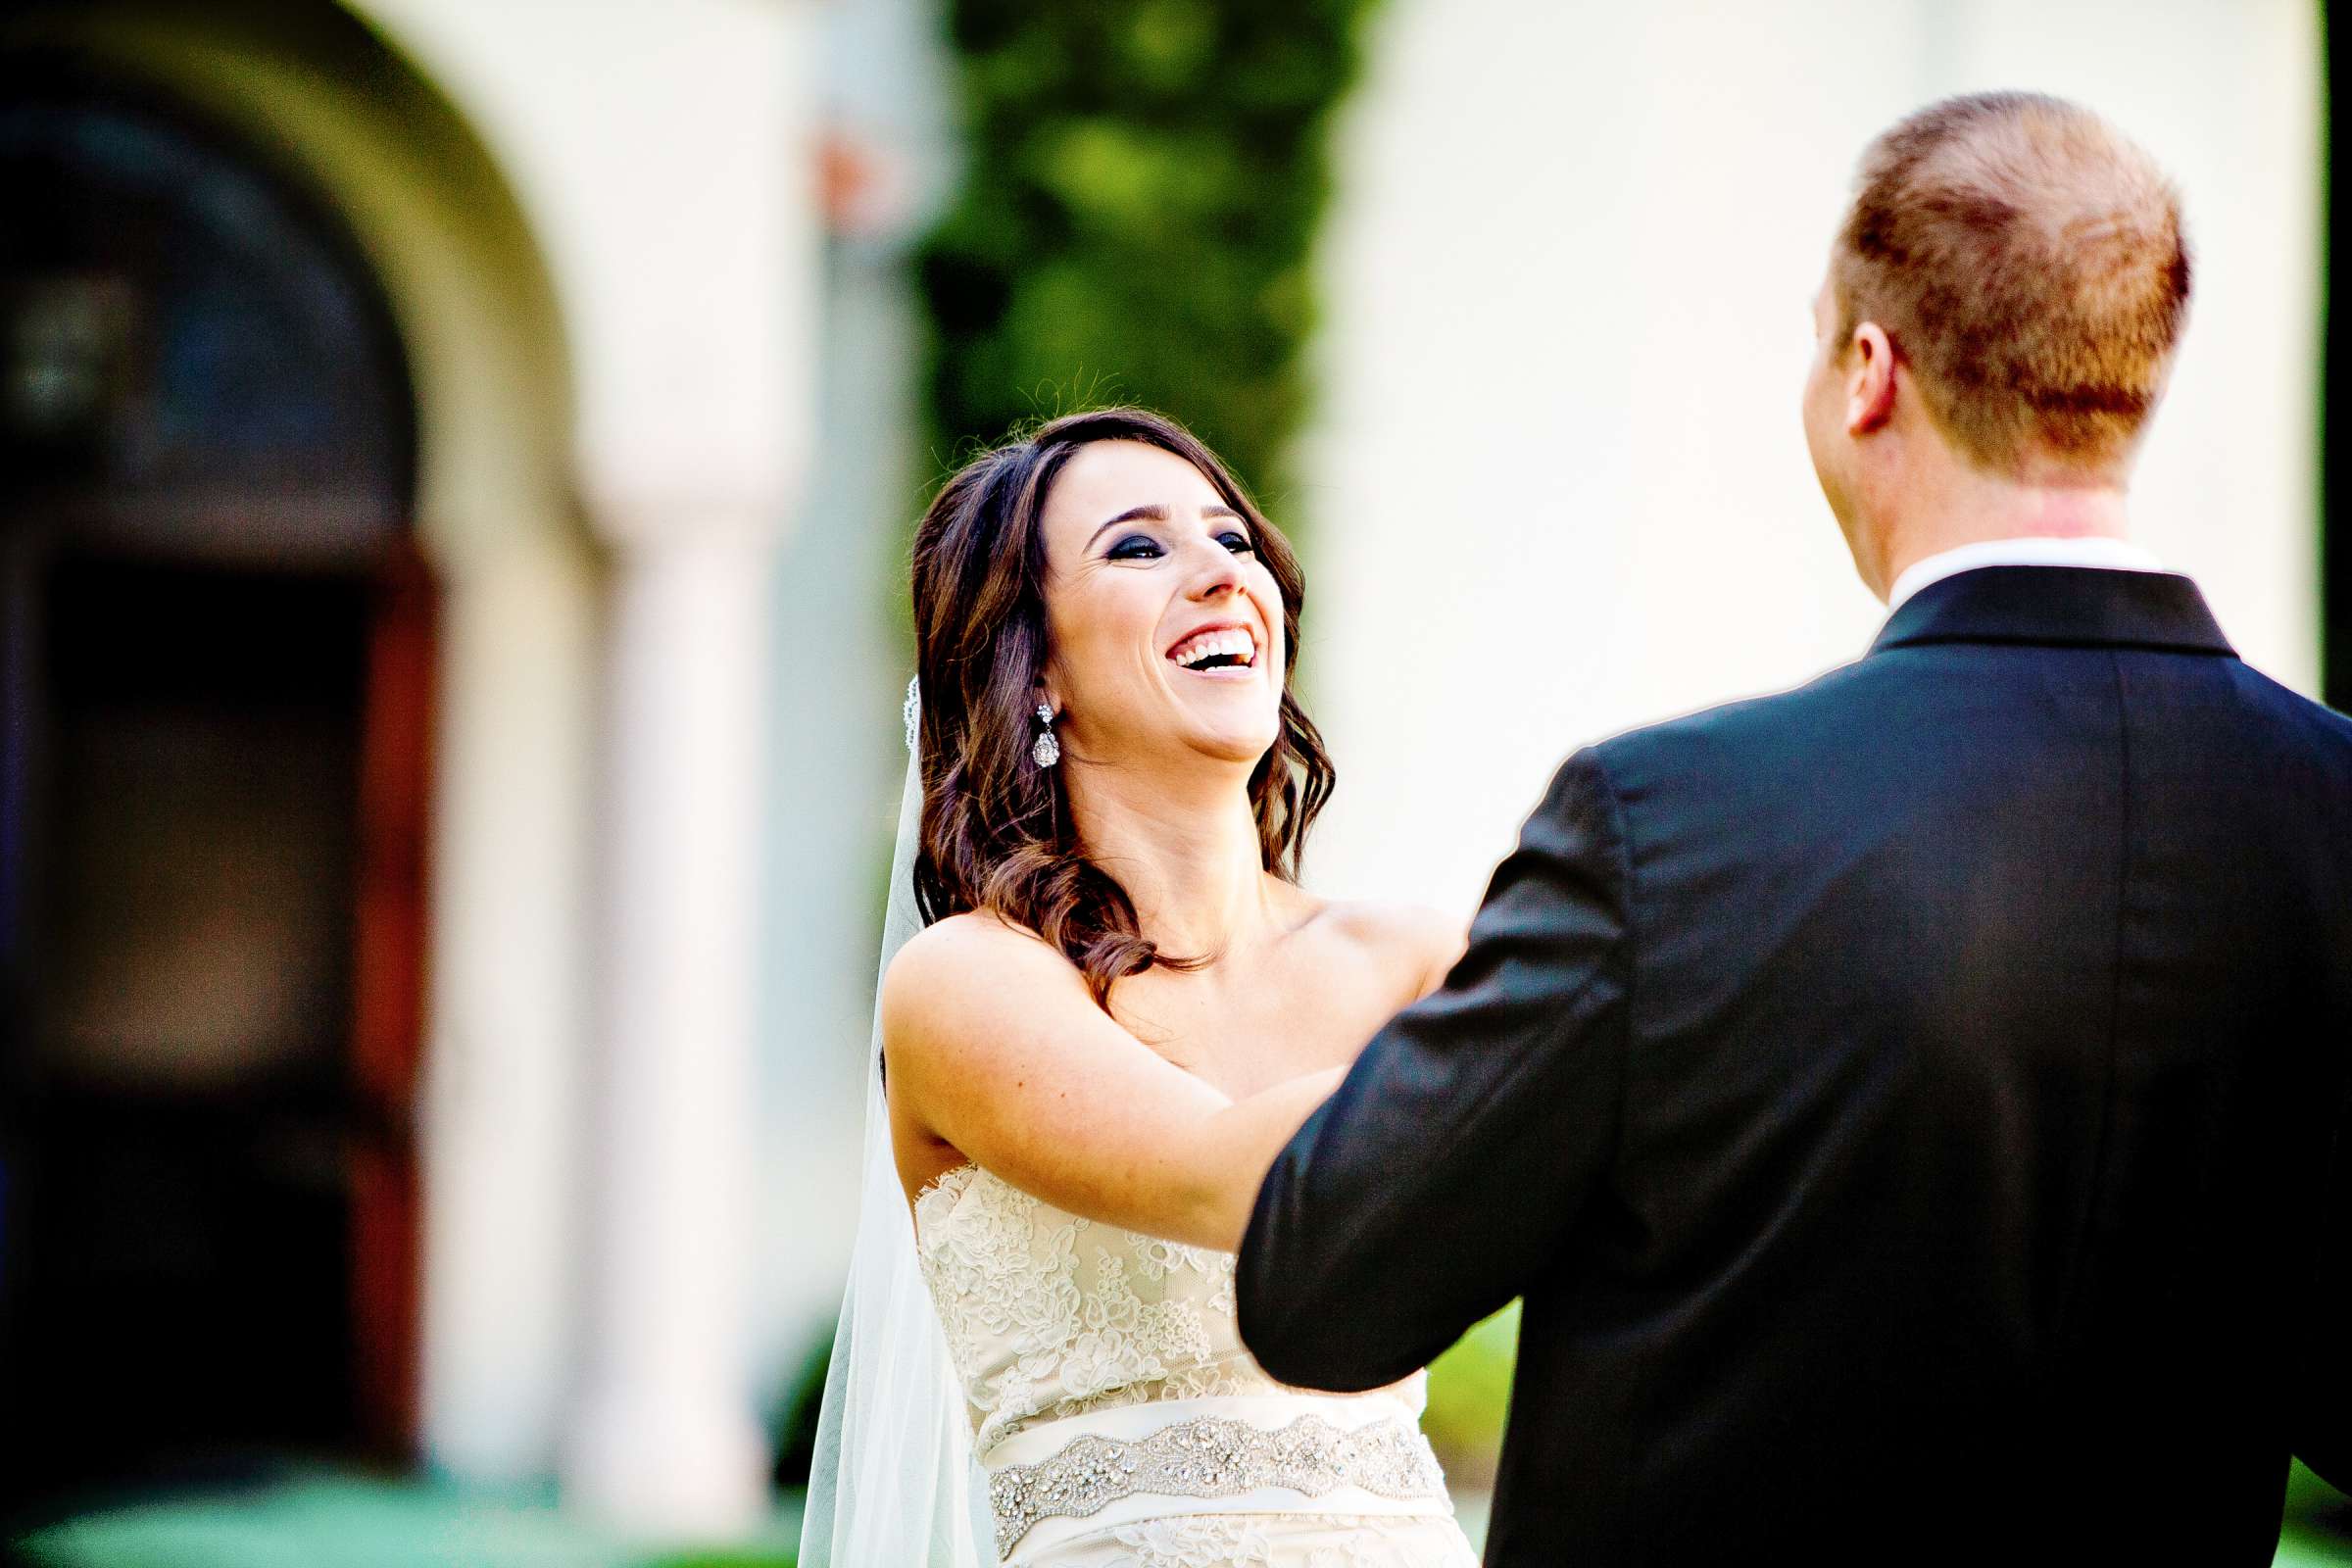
894 1483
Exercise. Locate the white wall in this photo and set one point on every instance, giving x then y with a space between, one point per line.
1558 486
659 154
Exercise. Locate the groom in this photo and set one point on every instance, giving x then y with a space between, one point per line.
1913 1106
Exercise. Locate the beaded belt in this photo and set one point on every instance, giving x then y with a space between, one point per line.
1213 1457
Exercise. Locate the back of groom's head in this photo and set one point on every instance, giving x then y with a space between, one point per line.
2028 265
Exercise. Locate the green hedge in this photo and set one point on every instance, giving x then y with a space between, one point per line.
1136 214
1469 1394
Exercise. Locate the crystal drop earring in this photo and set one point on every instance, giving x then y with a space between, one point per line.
1048 750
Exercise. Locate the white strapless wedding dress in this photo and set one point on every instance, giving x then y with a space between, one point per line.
1121 1422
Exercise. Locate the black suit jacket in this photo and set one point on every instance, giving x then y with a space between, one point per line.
1913 1107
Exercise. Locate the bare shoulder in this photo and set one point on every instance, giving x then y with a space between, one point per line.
1409 938
943 966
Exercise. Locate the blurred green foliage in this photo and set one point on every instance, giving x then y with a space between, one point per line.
1469 1393
1136 214
2318 1527
792 1424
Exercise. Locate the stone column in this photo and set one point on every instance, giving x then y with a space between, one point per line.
665 1440
662 162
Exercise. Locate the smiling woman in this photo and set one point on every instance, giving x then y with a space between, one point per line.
1121 1006
1111 506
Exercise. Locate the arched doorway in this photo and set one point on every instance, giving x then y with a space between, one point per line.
216 646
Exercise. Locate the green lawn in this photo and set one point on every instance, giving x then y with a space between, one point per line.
328 1520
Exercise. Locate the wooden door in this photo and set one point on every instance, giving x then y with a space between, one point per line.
217 643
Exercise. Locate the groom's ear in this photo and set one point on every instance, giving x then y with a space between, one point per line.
1870 379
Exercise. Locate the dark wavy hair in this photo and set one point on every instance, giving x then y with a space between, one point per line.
996 828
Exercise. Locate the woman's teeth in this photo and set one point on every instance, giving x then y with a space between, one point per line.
1216 649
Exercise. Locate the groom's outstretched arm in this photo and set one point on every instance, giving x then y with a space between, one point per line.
1446 1170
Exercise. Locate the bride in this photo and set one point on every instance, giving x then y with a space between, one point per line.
1118 1008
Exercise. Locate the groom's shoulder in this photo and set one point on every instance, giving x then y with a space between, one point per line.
2300 716
1743 735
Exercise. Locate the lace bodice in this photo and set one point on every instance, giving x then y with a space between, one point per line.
1049 1315
1123 1424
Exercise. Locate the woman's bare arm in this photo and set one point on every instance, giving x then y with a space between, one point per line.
993 1046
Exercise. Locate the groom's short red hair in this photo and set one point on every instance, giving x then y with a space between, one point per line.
2028 265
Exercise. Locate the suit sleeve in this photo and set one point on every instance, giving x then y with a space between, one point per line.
2322 1414
1446 1170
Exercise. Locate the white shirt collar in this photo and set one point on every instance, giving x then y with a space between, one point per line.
2107 554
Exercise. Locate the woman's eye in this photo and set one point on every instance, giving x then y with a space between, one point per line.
1135 547
1238 543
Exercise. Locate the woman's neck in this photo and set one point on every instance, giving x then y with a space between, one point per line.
1183 845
